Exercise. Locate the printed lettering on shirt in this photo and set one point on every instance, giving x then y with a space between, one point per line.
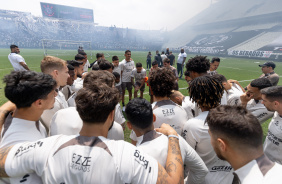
24 178
168 112
275 140
24 149
261 115
80 163
141 160
221 168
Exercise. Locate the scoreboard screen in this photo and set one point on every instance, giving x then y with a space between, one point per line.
66 12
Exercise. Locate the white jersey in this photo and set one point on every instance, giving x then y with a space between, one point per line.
15 60
119 118
156 145
195 132
118 70
77 85
126 68
166 111
273 141
86 65
181 57
189 107
260 171
138 76
259 110
79 159
15 131
71 100
68 122
60 103
233 95
223 100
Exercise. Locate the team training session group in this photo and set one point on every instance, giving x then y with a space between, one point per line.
65 124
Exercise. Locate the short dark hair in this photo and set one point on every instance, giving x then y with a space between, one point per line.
70 67
215 59
95 67
162 52
101 76
206 91
79 57
166 60
105 65
114 58
187 73
13 46
273 93
25 87
261 83
82 53
154 63
138 65
98 55
117 75
161 82
236 124
220 78
127 51
74 63
96 103
139 112
199 64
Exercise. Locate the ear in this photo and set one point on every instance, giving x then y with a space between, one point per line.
276 104
38 104
221 144
129 125
154 118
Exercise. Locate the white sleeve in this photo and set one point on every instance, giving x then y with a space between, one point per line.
119 118
193 164
20 59
133 136
184 55
136 166
132 74
47 115
190 134
29 157
116 132
235 100
262 114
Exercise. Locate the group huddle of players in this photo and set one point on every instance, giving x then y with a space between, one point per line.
66 125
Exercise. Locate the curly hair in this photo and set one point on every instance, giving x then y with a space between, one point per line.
199 64
206 91
161 82
25 87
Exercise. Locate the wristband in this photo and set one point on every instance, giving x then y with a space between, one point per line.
175 136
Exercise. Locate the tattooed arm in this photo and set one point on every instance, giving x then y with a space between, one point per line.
3 155
174 164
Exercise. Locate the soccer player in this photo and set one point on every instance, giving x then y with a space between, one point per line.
58 69
272 100
140 117
117 68
106 65
61 120
198 66
86 63
67 89
126 65
236 136
233 91
154 67
89 157
214 65
184 101
207 93
17 60
180 62
166 63
138 74
252 99
24 124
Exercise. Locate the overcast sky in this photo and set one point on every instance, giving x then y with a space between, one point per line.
136 14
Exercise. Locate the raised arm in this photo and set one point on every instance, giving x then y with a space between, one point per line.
3 156
174 164
5 109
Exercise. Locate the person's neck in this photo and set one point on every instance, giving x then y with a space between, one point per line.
127 60
211 69
157 99
94 129
29 114
238 159
205 109
143 132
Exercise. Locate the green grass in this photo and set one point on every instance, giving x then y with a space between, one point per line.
243 70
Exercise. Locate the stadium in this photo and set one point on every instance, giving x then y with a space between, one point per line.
243 34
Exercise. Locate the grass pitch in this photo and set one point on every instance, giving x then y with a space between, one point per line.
243 70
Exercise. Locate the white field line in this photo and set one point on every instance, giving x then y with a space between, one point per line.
240 69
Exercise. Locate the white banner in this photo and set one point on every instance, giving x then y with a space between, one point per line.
250 53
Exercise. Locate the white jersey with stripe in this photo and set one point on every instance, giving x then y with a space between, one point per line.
126 68
15 131
68 122
156 145
79 159
273 141
195 132
259 110
260 171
